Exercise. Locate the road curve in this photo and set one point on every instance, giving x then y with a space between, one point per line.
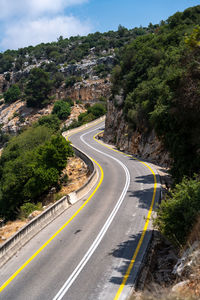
98 254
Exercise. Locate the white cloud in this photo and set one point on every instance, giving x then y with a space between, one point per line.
19 8
25 33
29 22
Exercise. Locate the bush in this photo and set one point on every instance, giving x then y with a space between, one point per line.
12 94
177 215
29 166
50 121
73 125
61 109
71 80
27 208
38 88
97 110
58 79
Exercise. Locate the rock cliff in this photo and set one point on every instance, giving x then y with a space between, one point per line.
90 90
143 144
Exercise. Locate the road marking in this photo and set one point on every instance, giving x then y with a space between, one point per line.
131 264
59 230
102 232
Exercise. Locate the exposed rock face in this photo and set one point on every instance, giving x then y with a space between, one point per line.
17 115
145 144
86 66
87 90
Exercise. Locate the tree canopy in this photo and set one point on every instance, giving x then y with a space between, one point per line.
38 88
12 94
159 78
29 166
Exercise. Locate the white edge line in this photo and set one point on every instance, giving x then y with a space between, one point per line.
102 232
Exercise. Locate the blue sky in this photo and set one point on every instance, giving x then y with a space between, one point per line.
29 22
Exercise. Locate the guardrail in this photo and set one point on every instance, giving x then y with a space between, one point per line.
19 239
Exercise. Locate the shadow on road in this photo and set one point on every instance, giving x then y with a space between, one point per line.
145 193
126 252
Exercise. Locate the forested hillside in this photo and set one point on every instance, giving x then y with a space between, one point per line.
159 78
156 89
67 57
76 69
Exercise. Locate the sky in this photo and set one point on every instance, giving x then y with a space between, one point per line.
30 22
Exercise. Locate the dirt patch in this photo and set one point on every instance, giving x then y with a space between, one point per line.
77 173
10 228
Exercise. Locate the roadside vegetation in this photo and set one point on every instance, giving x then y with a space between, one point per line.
159 78
93 112
30 165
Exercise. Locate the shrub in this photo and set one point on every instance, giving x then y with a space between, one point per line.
38 88
29 166
61 109
27 208
71 80
12 94
50 121
177 215
97 110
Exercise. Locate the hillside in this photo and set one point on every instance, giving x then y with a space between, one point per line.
150 80
154 113
77 68
155 95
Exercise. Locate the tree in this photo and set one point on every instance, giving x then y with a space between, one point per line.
70 81
193 40
58 79
12 94
50 121
29 166
62 109
38 88
177 215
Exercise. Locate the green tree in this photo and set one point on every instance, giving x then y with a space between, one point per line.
12 94
177 215
50 121
38 88
58 79
61 109
30 165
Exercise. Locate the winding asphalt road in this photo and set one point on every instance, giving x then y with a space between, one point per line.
98 254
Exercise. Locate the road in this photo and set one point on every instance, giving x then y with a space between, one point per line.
98 254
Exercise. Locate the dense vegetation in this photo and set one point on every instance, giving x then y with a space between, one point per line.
61 109
30 165
38 88
12 94
179 212
160 76
70 50
92 113
159 79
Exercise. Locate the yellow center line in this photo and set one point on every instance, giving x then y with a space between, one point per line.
131 264
59 230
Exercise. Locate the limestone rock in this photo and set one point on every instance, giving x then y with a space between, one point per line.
145 144
34 214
